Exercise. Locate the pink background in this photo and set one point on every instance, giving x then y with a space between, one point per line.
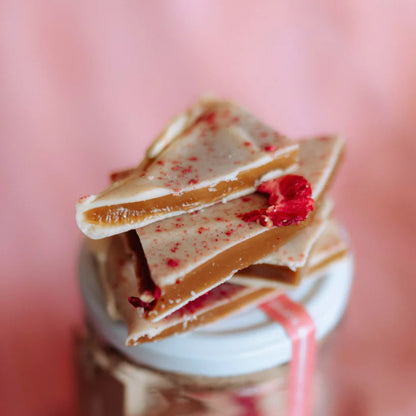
85 85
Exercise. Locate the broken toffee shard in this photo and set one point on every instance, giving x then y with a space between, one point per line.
287 263
193 253
224 300
215 151
329 247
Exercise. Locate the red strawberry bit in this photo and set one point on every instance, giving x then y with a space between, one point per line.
83 198
118 176
207 117
247 144
192 181
269 148
187 170
175 248
246 199
226 113
290 202
161 162
172 263
295 187
193 159
201 230
136 302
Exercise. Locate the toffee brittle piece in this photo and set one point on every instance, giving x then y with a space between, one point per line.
190 254
216 151
330 246
212 306
287 263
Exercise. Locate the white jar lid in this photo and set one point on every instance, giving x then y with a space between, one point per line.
242 344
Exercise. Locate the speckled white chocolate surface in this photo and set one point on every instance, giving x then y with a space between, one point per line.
193 153
175 246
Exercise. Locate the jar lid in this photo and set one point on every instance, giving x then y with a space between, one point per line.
242 344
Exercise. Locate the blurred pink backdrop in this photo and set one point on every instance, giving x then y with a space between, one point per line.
85 85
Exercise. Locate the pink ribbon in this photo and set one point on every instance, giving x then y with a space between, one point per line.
301 330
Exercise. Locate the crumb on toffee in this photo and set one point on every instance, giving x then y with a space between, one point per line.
147 306
290 199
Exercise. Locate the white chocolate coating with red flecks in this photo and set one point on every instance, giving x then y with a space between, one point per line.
203 153
175 246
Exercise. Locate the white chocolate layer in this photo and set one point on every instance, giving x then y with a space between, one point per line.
212 142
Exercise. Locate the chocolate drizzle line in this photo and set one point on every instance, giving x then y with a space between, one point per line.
148 291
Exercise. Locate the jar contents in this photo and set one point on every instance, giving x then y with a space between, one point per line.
223 216
111 385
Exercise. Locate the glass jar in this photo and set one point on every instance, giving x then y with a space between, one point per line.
237 367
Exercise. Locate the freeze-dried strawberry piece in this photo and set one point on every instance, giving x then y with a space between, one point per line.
294 187
286 187
290 202
289 212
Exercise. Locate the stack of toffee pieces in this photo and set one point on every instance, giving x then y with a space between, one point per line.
222 214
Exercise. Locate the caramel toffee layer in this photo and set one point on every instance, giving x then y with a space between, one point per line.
134 212
271 273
